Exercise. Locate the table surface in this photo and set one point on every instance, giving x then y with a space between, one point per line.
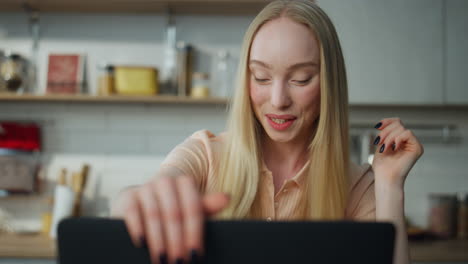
41 246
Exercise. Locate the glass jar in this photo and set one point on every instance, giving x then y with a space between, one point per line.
14 73
443 215
200 85
223 74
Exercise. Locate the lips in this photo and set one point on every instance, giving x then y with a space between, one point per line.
280 122
287 117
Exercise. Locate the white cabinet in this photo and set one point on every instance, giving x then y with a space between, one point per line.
457 51
393 49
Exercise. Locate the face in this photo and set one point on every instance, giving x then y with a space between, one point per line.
284 80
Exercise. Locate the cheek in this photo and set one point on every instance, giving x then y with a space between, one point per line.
310 99
257 95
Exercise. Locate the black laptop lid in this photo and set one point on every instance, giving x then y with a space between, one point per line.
100 240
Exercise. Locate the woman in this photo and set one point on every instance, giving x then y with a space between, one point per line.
285 154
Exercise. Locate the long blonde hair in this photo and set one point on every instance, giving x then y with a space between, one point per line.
240 166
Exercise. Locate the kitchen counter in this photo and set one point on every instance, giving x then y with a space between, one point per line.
439 251
26 246
39 246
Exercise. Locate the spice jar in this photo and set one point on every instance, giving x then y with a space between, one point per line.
106 80
443 215
200 85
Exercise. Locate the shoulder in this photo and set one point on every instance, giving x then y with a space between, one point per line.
207 136
202 146
207 140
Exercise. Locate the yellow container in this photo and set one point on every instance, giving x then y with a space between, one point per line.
133 80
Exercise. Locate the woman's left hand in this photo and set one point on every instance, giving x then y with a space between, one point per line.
398 149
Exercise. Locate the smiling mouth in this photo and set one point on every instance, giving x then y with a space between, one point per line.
278 121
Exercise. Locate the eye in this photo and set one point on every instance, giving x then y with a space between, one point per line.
261 81
302 82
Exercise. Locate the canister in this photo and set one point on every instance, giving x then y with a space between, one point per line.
136 80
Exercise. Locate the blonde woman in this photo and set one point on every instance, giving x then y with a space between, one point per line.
285 153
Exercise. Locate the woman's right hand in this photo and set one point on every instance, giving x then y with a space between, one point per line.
167 214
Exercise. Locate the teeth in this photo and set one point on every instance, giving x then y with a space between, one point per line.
278 121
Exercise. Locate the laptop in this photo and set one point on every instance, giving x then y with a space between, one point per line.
101 240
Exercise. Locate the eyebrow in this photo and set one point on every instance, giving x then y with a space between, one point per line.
294 66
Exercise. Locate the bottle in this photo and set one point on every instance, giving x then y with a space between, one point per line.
63 203
223 75
184 68
2 83
462 231
106 80
168 72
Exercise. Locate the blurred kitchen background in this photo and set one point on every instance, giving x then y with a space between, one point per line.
144 76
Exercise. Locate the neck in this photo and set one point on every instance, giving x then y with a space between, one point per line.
288 157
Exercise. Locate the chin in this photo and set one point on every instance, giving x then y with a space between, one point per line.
281 137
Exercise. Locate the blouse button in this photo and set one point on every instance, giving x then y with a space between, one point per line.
269 219
285 190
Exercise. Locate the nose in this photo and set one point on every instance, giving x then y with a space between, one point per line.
279 96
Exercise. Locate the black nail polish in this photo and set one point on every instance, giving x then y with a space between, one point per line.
194 257
382 148
142 242
179 261
377 140
378 125
163 258
393 146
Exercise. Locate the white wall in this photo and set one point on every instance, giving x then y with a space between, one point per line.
125 142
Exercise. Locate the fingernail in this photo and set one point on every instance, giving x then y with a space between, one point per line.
382 148
179 261
193 257
379 124
393 146
377 140
142 242
163 258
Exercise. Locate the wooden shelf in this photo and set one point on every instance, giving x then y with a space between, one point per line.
225 7
163 99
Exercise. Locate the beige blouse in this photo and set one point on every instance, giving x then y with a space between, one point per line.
199 153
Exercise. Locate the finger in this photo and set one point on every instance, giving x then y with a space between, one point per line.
190 203
153 227
133 220
214 203
382 124
382 135
408 136
172 218
388 142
